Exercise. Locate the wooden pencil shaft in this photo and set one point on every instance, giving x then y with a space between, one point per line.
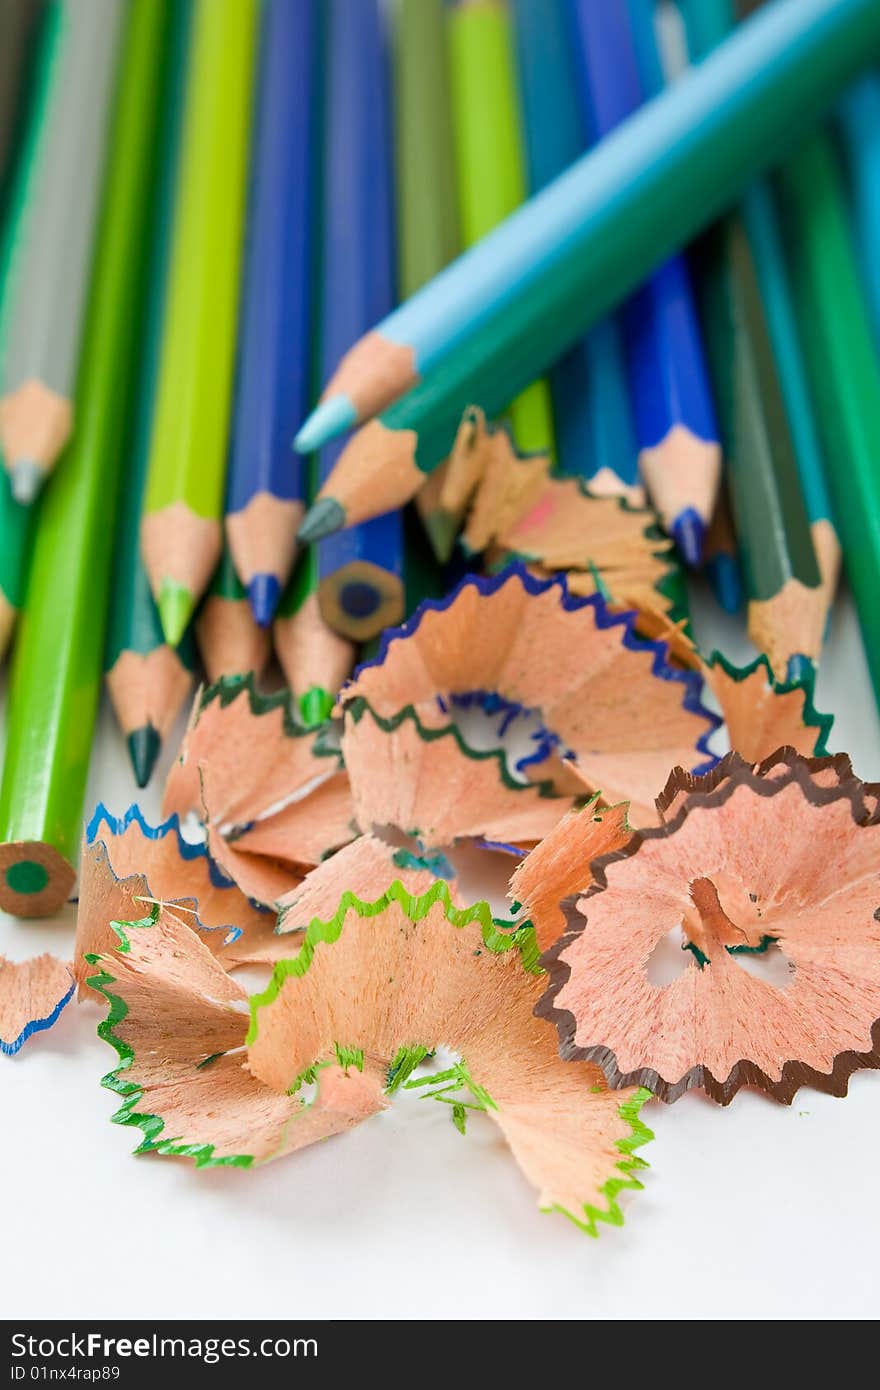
427 205
859 120
357 285
57 669
44 304
274 359
669 381
592 408
771 521
490 162
17 522
708 23
133 623
190 428
843 366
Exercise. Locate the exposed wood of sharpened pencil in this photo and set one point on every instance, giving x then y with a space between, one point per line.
361 571
427 200
843 366
490 163
56 673
786 601
45 298
231 641
181 534
680 456
592 410
264 503
517 301
147 680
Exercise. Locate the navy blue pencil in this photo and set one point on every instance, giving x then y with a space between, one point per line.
265 487
679 452
593 415
360 588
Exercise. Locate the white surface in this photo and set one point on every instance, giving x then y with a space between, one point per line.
755 1211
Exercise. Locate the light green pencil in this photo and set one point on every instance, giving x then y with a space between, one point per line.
181 532
57 668
491 162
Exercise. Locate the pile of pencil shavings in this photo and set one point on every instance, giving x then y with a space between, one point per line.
328 856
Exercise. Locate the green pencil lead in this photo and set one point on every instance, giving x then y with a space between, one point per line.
144 746
176 605
26 478
322 519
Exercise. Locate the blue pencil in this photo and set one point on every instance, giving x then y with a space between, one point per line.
679 454
595 431
265 488
361 570
860 126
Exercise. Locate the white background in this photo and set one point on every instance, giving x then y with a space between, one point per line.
754 1211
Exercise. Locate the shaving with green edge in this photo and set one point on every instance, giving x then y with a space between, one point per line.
326 1044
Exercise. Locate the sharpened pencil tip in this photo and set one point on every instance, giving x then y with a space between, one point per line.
799 668
264 591
689 533
323 518
724 577
26 480
327 421
144 746
315 706
175 605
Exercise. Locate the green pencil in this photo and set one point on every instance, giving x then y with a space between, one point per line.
491 162
147 680
842 365
181 533
56 673
428 234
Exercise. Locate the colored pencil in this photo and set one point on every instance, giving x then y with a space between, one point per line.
707 23
17 519
490 162
509 307
360 589
265 488
45 297
315 659
679 452
147 680
231 641
56 672
859 119
428 234
19 27
842 363
181 535
786 602
592 410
